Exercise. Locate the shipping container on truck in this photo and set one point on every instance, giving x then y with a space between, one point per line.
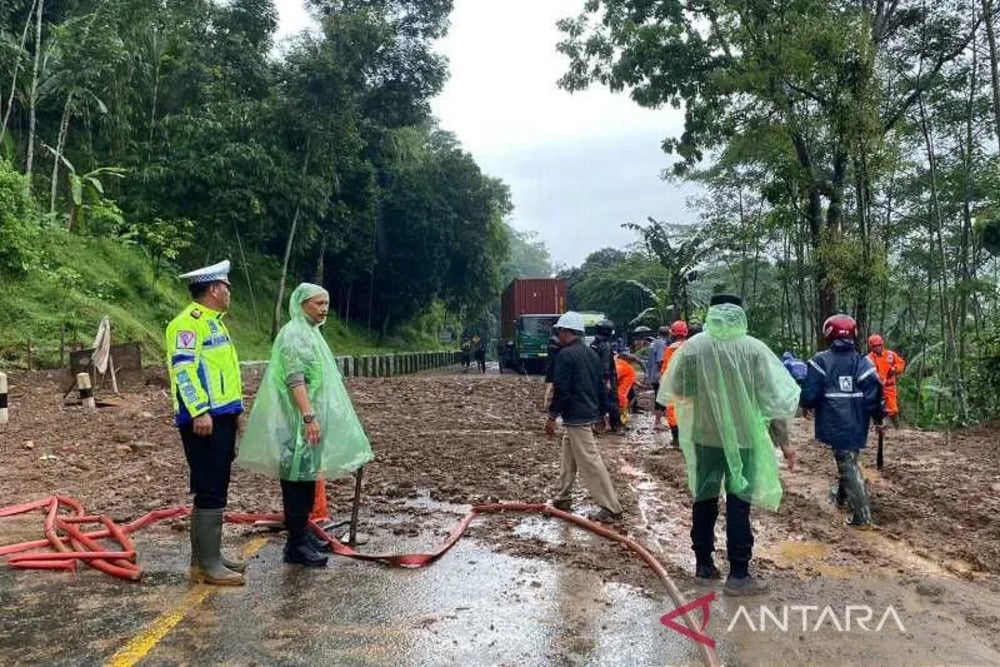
528 309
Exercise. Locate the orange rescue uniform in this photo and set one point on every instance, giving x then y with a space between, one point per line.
889 366
626 380
664 365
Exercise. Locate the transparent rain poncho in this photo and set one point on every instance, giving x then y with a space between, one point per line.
727 387
274 443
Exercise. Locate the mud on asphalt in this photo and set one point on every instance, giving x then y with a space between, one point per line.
444 442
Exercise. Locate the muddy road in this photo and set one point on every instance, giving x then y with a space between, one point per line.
446 441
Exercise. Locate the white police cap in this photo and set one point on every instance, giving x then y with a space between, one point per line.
209 274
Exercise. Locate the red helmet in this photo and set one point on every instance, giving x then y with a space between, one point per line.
679 329
840 327
875 341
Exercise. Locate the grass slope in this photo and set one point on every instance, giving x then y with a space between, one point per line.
80 280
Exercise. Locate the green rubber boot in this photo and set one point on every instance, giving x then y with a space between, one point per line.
234 565
206 527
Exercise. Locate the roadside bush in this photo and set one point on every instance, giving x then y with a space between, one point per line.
18 223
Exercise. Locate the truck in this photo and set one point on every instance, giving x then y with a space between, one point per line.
590 320
529 308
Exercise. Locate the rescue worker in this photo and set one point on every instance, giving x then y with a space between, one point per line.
626 376
797 368
655 358
726 387
679 333
303 427
889 366
603 332
207 394
578 383
843 389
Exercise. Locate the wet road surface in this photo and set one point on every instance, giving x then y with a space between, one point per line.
472 607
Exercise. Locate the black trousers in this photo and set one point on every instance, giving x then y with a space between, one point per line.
614 413
297 502
481 362
210 461
710 471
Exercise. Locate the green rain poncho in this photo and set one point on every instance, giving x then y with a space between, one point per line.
726 387
274 442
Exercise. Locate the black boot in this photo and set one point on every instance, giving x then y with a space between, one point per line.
318 543
299 551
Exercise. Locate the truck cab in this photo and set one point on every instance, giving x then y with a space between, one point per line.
529 350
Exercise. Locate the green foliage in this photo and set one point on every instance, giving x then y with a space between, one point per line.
79 280
219 142
18 220
984 374
989 235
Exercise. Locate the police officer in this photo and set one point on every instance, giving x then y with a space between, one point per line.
604 330
207 394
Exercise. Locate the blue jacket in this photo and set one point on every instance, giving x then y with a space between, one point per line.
656 350
795 366
842 386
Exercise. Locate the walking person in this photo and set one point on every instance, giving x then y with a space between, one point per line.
726 387
889 365
655 360
843 388
679 332
207 394
604 330
481 355
303 424
578 385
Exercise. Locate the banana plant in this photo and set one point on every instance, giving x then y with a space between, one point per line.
84 186
680 257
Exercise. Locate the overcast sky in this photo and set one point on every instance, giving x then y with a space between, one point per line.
578 165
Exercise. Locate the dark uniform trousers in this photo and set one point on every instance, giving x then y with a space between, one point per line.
710 471
210 461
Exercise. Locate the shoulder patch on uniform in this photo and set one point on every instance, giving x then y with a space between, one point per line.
186 340
195 314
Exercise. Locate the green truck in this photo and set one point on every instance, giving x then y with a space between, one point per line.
529 308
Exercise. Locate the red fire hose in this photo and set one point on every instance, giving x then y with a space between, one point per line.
76 546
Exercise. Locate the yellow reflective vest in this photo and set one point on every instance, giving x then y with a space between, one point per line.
203 366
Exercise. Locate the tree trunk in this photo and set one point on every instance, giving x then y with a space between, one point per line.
319 275
991 37
57 158
371 299
937 221
801 271
834 224
862 187
17 69
276 323
33 95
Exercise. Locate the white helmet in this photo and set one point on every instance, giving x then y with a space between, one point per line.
571 322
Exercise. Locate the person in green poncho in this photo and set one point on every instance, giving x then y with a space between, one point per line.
727 388
303 425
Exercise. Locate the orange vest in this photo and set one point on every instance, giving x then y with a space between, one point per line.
668 354
626 380
889 365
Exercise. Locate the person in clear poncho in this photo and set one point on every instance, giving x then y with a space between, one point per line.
727 388
303 426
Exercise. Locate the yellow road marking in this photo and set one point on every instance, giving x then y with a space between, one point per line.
141 645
